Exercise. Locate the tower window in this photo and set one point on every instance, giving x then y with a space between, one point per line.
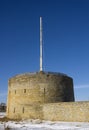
15 91
24 90
23 110
14 110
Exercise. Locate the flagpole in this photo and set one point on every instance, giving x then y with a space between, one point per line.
41 67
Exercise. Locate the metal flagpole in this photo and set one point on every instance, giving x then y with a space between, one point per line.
41 67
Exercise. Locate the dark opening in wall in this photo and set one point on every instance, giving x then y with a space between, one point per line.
14 110
23 110
9 92
15 91
24 90
44 94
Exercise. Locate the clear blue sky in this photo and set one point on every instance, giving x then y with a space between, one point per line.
65 38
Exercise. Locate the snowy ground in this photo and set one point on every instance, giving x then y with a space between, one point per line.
2 114
43 125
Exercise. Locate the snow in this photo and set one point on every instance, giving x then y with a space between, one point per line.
2 114
43 125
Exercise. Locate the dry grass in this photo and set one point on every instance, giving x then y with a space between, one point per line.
5 119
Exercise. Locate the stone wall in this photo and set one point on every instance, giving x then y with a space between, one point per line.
45 96
64 111
37 88
26 111
71 111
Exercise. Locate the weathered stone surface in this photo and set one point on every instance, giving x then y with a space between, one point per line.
27 91
66 111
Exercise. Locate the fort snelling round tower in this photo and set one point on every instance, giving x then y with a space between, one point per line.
28 92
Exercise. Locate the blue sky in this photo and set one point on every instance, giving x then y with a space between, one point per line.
65 40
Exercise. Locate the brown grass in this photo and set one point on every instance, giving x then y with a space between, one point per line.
5 119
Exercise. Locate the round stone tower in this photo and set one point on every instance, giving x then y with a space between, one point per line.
38 88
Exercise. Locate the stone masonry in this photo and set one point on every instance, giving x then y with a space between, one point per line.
44 95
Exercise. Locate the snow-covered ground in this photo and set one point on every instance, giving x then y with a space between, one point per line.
2 114
44 125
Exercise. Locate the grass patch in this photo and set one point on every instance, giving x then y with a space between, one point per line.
5 119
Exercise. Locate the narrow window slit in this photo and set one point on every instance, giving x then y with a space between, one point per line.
14 110
15 91
24 90
23 110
